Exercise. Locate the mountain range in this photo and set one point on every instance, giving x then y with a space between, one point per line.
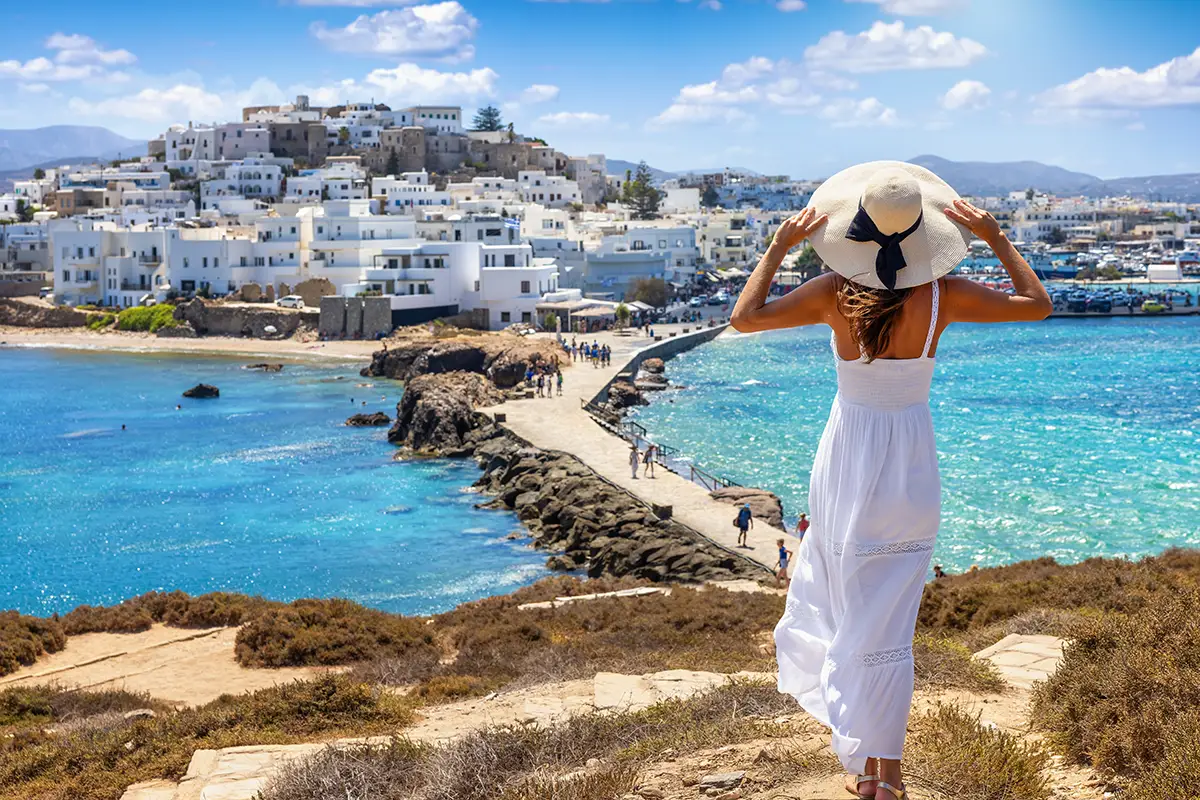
29 148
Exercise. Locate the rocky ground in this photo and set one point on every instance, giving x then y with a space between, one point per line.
501 358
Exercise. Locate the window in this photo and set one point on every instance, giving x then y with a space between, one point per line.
293 229
185 262
526 316
216 262
204 262
477 286
91 251
510 260
524 287
505 316
67 278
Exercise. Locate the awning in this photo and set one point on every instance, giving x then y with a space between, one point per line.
597 311
640 306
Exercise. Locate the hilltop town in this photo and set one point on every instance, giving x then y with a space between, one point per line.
425 215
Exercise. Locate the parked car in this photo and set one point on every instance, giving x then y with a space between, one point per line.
1077 303
1153 307
1099 304
715 300
696 302
291 301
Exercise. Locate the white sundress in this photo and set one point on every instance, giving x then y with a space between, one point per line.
844 643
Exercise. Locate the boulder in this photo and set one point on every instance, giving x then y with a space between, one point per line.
369 420
622 395
202 390
437 412
655 366
312 290
251 292
183 330
765 506
266 367
502 359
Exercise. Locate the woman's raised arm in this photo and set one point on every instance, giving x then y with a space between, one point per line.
968 301
805 305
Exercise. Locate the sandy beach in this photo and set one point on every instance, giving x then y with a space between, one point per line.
79 339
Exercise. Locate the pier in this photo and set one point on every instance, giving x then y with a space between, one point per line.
564 424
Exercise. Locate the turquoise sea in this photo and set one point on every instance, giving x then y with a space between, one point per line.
263 490
1065 438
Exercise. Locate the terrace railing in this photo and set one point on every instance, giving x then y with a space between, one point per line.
665 456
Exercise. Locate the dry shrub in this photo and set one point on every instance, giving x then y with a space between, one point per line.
23 639
388 772
605 782
689 629
524 762
318 632
47 703
944 664
1173 777
976 600
1126 686
952 755
1037 621
177 609
87 763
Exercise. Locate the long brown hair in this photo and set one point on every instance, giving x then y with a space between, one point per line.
871 314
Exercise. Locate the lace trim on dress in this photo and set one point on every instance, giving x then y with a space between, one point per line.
862 550
933 315
799 610
881 658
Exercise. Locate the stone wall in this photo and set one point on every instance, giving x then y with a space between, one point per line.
214 319
333 316
39 315
20 288
355 317
667 348
376 317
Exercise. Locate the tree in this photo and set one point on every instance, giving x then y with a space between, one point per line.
710 198
649 290
623 314
392 167
1029 194
39 173
512 134
641 196
550 321
808 263
1055 236
343 135
487 119
24 211
1109 273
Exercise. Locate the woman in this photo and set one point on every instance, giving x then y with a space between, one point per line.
889 232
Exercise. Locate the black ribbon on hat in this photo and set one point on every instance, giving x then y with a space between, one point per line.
890 259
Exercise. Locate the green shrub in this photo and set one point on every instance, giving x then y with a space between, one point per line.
47 703
177 609
147 318
23 639
1126 686
98 322
1173 777
945 664
317 632
954 756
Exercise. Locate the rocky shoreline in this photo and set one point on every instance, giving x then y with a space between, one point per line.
587 523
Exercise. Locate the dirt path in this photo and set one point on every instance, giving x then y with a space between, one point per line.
176 665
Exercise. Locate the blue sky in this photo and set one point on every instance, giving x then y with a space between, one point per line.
1110 87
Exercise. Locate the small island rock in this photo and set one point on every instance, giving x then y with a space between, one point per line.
202 390
369 420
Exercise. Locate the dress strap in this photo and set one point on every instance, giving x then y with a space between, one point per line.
933 316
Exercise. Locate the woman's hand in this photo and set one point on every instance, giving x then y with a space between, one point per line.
980 223
798 227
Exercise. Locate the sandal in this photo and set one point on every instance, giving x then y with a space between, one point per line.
860 779
898 794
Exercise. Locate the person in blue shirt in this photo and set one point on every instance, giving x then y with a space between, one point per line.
745 521
781 568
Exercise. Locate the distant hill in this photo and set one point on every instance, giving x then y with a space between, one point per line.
618 167
983 178
29 147
995 178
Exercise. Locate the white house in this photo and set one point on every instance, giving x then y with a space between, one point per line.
554 191
443 119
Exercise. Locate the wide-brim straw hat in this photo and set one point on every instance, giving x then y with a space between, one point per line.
895 195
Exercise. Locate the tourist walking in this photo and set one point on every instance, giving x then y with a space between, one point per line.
781 566
634 460
648 460
541 382
744 522
889 232
802 527
558 379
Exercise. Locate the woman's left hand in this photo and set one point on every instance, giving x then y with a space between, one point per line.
798 227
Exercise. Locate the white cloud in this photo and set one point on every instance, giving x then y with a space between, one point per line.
408 83
966 94
573 118
179 102
357 3
76 58
441 30
539 93
33 88
847 113
791 5
916 8
758 81
891 46
711 5
1172 83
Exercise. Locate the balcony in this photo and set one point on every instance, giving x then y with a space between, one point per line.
134 286
149 259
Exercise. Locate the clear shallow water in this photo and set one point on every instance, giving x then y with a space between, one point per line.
262 491
1066 438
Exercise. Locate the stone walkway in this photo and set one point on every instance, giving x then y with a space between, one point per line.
560 423
1023 660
